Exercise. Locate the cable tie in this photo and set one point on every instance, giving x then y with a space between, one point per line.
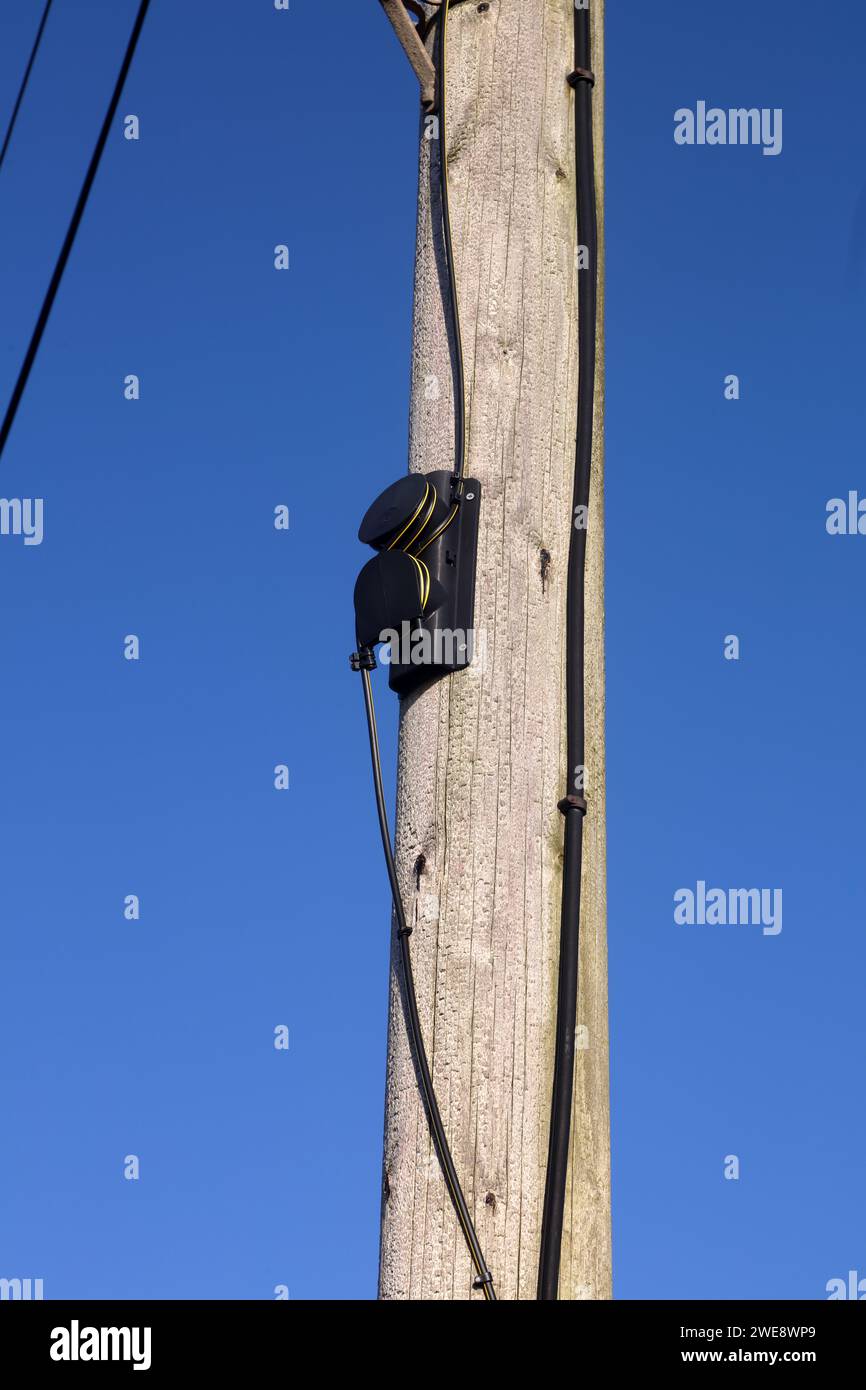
404 931
481 1279
572 803
363 660
581 75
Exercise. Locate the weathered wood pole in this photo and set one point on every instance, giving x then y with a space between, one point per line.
482 755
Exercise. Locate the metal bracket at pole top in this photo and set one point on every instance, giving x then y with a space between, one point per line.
410 40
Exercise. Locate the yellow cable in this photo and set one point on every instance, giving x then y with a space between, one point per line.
424 575
436 534
423 524
411 519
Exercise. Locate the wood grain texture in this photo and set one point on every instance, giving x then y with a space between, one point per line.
482 755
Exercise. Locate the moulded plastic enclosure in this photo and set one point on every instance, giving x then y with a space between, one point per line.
444 641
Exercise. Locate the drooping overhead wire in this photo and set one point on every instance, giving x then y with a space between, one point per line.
25 79
69 239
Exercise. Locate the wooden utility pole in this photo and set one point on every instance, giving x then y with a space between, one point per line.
482 755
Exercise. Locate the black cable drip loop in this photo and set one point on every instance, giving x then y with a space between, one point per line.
484 1279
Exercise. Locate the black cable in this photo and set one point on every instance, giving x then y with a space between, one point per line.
25 79
453 305
484 1279
18 392
424 22
573 806
459 371
458 367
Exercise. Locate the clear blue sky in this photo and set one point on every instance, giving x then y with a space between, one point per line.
262 908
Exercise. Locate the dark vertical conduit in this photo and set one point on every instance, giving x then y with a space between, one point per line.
573 805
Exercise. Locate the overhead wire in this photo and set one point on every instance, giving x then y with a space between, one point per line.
69 239
25 79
